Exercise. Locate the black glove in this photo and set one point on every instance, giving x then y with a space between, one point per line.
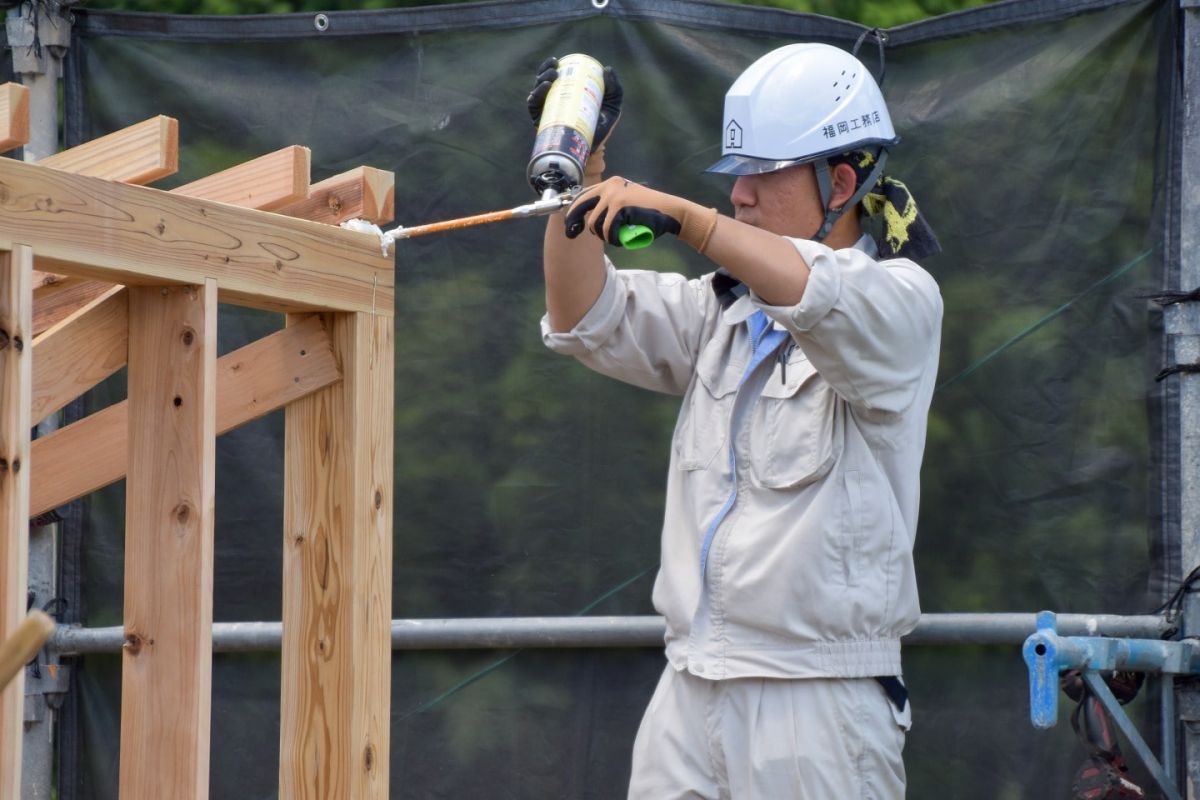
656 221
610 104
609 206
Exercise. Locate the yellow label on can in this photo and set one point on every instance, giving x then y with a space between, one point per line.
575 97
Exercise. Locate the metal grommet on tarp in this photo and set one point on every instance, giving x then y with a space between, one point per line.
601 4
321 22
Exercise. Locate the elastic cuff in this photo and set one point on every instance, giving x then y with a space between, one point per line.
697 227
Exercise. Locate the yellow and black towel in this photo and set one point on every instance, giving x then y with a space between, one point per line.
906 232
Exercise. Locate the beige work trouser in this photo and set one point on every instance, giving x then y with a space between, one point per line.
768 739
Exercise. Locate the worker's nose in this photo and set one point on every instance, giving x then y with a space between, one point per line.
742 193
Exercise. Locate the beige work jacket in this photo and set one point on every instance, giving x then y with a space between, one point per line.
799 482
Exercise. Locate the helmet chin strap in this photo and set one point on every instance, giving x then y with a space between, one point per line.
825 185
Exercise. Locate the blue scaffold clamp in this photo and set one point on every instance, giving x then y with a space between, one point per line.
1048 655
1041 651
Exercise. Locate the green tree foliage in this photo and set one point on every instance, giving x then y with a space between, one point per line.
876 13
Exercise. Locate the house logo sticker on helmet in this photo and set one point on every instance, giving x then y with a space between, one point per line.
733 136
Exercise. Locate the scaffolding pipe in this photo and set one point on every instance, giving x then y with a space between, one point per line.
1181 325
506 633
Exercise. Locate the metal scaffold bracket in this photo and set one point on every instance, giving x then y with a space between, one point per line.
45 689
1048 655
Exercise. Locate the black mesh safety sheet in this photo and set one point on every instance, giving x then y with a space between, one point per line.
1037 138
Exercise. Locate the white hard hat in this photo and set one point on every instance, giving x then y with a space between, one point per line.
800 103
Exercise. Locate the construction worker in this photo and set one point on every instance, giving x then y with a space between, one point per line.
806 362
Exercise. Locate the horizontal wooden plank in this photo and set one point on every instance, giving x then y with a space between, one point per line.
79 352
14 116
361 193
251 381
266 183
84 226
71 294
138 154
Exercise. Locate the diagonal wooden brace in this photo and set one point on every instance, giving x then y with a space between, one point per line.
251 382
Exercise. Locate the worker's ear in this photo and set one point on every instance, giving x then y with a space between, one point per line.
844 183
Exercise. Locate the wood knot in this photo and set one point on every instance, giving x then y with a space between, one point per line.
188 337
3 465
178 401
181 513
161 227
134 642
3 339
335 202
18 343
369 757
378 499
16 465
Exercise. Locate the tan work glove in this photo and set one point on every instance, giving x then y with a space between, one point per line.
604 208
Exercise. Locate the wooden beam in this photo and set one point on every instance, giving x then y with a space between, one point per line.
362 193
19 649
337 559
79 352
95 228
251 382
266 183
14 116
16 376
166 666
139 154
59 298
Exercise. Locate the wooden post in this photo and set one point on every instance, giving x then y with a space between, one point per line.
16 381
337 563
166 679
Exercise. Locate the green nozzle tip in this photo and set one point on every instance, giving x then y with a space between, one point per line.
635 237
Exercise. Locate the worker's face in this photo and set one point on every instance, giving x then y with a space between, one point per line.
785 202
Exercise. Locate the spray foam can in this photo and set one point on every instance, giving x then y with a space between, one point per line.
568 125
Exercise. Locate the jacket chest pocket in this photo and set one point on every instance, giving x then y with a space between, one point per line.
795 433
703 427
